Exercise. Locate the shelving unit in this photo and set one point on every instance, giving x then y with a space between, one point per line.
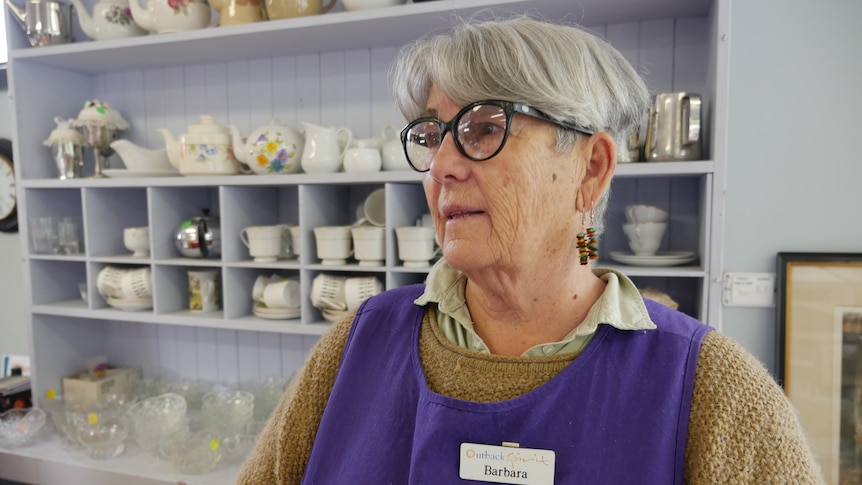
333 69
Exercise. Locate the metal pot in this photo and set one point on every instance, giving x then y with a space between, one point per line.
199 237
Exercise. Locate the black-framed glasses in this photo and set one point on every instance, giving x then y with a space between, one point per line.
479 130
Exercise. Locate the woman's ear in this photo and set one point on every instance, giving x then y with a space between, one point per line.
600 153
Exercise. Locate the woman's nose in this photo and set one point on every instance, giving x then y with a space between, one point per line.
449 164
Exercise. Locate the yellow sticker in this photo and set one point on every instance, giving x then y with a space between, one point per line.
214 444
93 418
50 394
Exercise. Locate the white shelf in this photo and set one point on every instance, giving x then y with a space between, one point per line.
47 462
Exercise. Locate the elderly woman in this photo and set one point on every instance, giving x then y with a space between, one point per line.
517 362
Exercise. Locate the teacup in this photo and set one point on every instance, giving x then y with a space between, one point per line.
327 292
265 243
334 244
369 243
415 245
125 284
137 240
359 289
645 237
645 213
290 241
282 294
374 208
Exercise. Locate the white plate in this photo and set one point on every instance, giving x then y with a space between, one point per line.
130 305
662 258
123 173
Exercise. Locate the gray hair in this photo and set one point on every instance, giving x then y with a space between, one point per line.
564 71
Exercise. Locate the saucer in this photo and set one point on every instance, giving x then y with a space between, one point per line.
333 316
262 311
130 305
124 173
662 258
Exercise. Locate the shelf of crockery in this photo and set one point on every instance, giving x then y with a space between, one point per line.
624 170
334 31
46 461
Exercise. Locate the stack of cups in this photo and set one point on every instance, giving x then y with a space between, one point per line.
645 226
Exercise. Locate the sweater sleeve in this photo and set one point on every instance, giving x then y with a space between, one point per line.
284 447
743 428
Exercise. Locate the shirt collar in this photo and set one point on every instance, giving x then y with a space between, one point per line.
620 306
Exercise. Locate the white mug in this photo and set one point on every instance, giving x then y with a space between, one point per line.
282 294
265 243
203 290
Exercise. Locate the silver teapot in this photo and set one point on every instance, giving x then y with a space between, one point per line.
199 237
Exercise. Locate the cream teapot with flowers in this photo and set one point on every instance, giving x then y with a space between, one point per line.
111 19
272 148
206 149
162 16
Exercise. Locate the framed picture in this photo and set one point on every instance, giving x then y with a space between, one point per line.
819 349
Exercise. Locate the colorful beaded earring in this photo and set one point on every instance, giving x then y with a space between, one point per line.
588 242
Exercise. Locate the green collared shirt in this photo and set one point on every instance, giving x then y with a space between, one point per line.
620 306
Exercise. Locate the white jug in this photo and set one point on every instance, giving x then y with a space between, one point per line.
323 149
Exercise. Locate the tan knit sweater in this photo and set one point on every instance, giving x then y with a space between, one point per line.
742 428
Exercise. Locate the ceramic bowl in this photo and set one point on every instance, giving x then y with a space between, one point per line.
351 5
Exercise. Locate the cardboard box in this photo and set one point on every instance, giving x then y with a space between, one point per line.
82 388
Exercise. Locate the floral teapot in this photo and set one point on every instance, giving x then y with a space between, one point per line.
272 148
111 19
205 150
162 16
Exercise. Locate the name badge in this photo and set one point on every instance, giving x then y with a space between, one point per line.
506 464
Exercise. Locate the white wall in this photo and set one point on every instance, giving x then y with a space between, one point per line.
13 332
794 172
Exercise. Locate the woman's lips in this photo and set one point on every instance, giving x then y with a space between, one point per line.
452 213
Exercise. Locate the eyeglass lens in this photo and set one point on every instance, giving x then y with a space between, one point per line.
479 133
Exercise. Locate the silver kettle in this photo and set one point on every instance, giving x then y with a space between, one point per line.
674 129
199 237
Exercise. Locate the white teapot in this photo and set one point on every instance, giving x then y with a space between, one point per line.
272 148
205 150
111 19
324 149
162 16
